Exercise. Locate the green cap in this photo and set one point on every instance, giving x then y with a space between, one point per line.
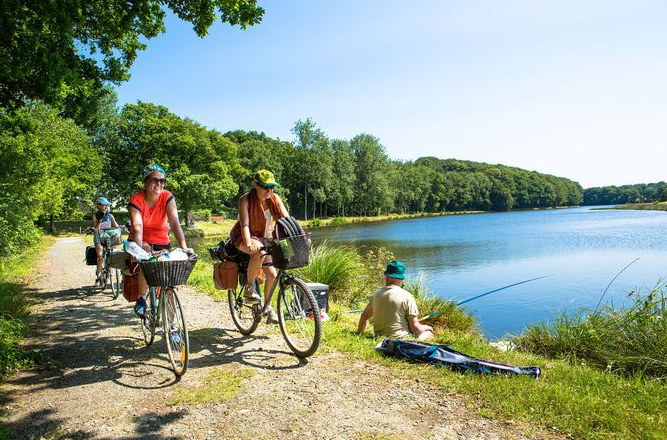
395 269
265 178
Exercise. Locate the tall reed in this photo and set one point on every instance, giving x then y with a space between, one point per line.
630 340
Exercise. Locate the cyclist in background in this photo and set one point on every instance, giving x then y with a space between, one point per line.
152 212
102 219
259 210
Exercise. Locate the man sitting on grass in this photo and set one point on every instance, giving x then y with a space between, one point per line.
393 309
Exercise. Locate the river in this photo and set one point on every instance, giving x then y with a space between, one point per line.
580 249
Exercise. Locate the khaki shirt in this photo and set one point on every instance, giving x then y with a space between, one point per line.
392 306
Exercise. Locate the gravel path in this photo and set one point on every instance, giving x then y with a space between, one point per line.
103 383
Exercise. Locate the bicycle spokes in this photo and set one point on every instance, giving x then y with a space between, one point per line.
299 318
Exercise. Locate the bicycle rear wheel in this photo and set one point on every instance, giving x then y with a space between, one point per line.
149 321
175 331
299 317
116 282
246 316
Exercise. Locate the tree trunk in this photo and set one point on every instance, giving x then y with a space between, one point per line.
51 224
305 201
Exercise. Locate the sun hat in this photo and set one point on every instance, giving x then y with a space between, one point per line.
102 201
265 178
395 269
152 168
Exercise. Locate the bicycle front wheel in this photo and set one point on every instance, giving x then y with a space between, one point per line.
116 282
175 331
246 316
299 318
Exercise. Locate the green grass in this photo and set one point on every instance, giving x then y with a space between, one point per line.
14 306
631 340
578 400
220 385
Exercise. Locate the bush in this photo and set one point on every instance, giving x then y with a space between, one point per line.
628 341
338 221
315 223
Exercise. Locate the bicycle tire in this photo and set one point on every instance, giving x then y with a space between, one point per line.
299 317
175 331
149 321
116 283
246 317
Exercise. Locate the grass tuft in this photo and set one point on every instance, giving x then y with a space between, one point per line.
220 385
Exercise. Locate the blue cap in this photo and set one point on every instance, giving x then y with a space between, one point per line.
395 269
102 201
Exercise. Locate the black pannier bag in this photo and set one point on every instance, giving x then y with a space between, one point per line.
91 256
291 249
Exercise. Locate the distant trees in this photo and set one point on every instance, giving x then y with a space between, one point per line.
618 195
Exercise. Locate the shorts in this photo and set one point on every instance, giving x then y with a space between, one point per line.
268 261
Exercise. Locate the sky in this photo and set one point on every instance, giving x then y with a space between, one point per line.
577 89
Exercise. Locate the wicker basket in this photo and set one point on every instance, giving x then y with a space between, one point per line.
291 252
167 273
109 236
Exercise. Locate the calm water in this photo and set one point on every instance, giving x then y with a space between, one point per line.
582 249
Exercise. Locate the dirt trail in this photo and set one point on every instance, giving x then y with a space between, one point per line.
104 383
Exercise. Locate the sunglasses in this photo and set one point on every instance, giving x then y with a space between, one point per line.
156 181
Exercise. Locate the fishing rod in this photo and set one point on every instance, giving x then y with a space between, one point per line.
484 294
610 283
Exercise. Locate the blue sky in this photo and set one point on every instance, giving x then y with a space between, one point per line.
571 88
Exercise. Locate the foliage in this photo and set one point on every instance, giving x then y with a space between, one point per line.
618 195
338 221
338 266
626 340
46 163
64 53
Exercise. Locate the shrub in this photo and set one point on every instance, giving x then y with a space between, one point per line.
338 221
315 223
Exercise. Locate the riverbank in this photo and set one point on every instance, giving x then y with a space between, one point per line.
571 399
655 206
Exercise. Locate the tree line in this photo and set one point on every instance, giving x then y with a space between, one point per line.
619 195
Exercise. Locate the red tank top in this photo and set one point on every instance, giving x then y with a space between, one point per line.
156 227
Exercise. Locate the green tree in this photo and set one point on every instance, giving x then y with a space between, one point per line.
65 52
46 162
373 191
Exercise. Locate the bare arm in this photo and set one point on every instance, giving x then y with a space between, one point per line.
416 327
137 227
283 210
244 219
114 222
95 222
365 316
174 222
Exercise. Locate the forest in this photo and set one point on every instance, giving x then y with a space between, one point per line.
619 195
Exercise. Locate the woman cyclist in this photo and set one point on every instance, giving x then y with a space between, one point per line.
152 213
259 209
102 219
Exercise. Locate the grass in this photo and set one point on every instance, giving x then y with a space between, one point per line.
630 340
576 400
14 306
220 385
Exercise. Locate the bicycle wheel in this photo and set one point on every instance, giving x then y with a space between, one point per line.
116 282
175 331
299 317
246 316
149 321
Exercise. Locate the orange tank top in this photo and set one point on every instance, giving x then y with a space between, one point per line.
156 227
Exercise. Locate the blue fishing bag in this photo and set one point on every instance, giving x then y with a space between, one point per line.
443 355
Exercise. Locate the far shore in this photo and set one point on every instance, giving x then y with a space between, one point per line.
655 206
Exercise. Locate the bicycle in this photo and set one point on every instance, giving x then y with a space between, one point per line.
162 303
108 238
298 311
